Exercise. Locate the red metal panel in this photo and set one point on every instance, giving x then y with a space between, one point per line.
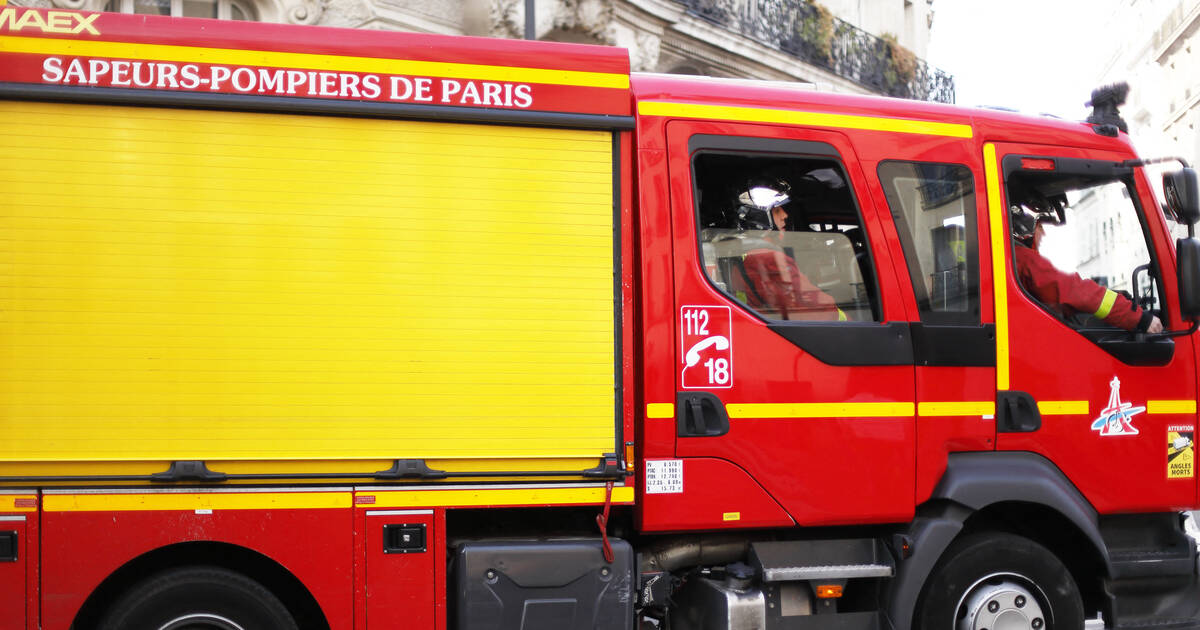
19 578
14 577
715 494
938 436
360 570
657 348
33 568
82 548
400 587
440 577
630 353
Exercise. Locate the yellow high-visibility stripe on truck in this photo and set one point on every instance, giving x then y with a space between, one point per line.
181 284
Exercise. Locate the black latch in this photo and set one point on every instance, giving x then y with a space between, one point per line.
609 468
404 538
1017 412
188 470
8 546
410 469
700 414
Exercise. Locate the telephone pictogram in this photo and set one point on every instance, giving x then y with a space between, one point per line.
693 355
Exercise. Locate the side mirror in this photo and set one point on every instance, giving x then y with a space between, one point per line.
1187 252
1180 190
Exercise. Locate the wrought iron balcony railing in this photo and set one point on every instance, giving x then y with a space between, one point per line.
809 32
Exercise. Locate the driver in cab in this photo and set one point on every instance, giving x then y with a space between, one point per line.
1068 294
772 280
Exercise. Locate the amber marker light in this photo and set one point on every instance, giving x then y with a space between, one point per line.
629 456
829 591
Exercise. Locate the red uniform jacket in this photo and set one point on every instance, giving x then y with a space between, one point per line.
776 284
1067 293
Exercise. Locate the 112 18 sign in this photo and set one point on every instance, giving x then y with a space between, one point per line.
707 361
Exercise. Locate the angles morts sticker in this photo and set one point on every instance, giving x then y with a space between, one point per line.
1181 451
1117 417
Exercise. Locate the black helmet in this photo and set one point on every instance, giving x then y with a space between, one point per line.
1030 207
1024 223
756 202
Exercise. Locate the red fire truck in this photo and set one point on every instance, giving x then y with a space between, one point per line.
318 328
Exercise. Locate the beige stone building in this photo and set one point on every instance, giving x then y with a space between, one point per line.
1159 56
1155 48
856 46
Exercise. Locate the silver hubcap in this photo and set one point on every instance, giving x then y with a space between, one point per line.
1001 601
201 621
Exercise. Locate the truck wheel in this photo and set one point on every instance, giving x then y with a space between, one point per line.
999 581
198 598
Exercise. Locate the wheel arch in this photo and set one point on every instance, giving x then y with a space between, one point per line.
1001 492
272 575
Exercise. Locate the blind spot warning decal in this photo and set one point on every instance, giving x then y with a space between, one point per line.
664 476
1116 418
707 347
1181 451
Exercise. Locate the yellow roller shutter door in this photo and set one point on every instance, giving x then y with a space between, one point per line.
179 284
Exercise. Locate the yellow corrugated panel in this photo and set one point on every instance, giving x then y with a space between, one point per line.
183 284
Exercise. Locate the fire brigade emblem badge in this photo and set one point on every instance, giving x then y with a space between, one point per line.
1117 417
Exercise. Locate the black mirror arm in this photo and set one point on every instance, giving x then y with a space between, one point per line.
1171 333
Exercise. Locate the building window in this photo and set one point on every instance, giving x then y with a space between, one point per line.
221 9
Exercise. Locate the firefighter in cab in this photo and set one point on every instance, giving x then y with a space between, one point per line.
1068 295
772 279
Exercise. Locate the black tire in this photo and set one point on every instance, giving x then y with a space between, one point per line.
198 598
983 579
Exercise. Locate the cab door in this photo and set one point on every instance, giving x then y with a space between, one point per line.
1114 410
793 357
934 192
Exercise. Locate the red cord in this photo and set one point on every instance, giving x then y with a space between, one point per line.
602 521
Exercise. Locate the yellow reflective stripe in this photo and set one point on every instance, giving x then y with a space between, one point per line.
820 410
807 119
1110 298
195 501
1062 407
841 315
496 498
309 61
1171 406
991 174
660 410
966 408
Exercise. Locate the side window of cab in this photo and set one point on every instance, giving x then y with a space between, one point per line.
1081 252
782 235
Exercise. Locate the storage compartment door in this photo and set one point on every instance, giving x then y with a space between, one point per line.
247 287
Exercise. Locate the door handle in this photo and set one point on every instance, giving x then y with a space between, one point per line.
700 414
1017 412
